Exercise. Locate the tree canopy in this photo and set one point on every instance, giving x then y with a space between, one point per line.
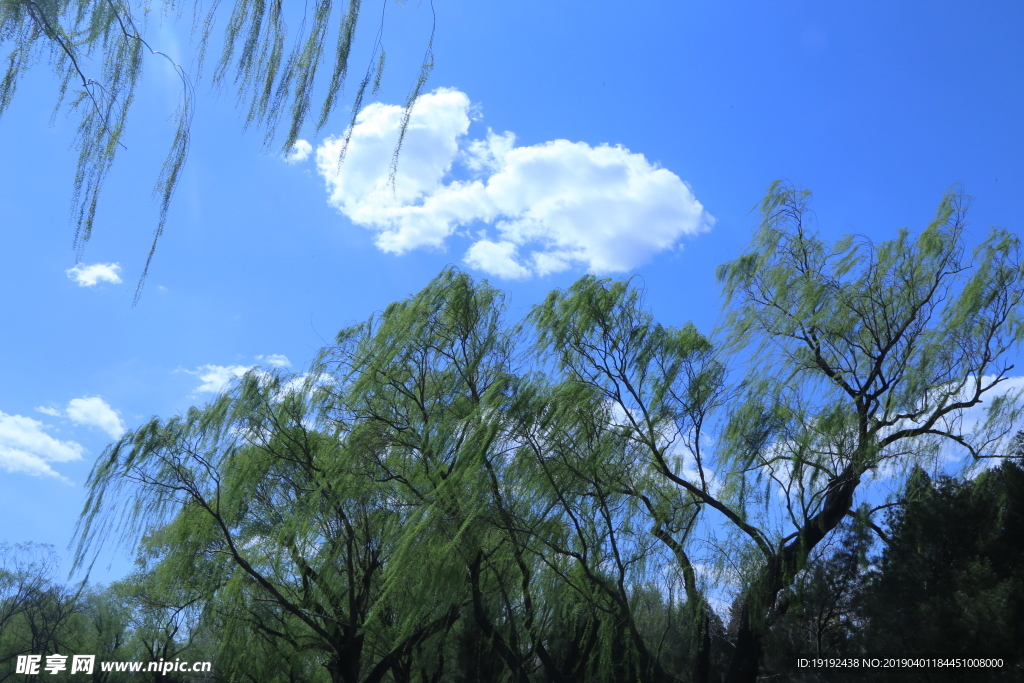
445 495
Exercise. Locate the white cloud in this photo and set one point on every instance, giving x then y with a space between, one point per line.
407 215
88 276
52 412
216 378
497 258
300 152
95 412
26 447
275 359
548 207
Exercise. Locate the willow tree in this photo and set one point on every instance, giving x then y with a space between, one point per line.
331 519
441 501
285 79
860 361
428 382
623 529
868 358
276 524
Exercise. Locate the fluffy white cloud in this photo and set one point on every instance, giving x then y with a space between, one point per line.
90 275
275 359
26 447
52 412
300 152
548 207
95 412
496 258
404 213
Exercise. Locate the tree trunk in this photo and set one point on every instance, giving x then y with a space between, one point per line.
779 573
747 656
702 662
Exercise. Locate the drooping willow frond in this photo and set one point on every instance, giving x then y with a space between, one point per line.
275 70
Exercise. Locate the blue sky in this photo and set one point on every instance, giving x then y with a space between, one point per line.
659 123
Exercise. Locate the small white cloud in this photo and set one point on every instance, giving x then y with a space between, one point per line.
53 412
299 153
275 359
90 275
553 206
95 412
217 378
26 447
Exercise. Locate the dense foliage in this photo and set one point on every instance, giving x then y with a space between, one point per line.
446 496
946 580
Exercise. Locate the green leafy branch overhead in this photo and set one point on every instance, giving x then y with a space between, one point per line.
283 77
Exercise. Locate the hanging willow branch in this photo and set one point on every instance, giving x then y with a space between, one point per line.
275 83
